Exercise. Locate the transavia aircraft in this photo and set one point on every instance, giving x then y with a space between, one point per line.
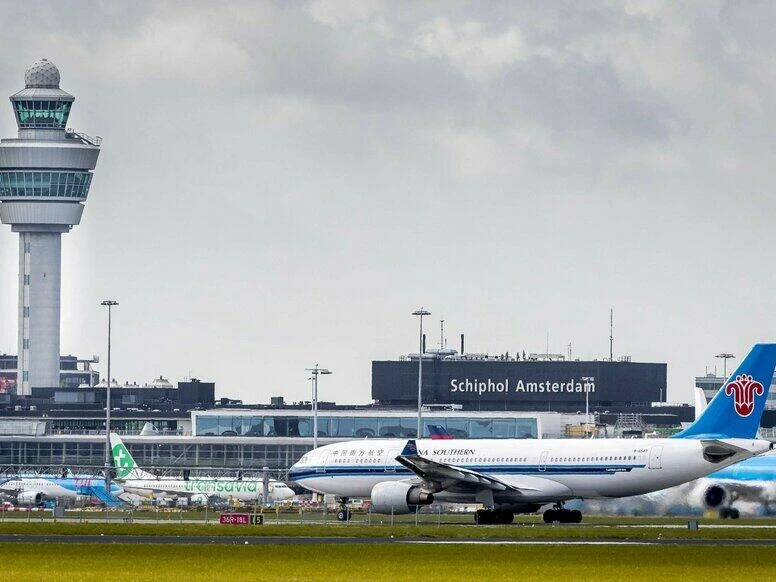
36 490
520 475
134 480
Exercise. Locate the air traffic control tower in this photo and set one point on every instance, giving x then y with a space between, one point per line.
45 175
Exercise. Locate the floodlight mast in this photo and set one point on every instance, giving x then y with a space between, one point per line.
420 313
724 356
109 303
314 377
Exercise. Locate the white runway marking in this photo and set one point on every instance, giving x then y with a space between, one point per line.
532 542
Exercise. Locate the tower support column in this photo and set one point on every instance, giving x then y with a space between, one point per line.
40 255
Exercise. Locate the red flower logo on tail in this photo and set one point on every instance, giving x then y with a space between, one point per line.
743 390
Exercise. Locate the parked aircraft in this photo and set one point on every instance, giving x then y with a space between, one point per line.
36 490
511 476
138 482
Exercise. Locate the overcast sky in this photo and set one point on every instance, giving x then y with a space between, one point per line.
283 184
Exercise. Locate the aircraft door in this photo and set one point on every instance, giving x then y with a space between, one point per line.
543 460
389 461
324 464
656 457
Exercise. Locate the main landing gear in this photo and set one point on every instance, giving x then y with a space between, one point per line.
493 516
560 514
730 512
343 513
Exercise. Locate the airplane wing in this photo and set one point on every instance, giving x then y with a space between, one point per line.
453 478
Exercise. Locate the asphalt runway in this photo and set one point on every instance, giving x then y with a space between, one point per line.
301 541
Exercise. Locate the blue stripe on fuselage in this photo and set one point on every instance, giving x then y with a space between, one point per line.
356 471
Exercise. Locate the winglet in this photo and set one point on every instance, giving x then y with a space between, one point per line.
410 449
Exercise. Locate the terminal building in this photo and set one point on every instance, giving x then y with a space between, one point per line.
470 396
533 382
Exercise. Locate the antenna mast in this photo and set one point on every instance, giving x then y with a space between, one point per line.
611 334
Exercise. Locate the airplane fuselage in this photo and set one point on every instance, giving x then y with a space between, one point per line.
242 490
54 488
544 470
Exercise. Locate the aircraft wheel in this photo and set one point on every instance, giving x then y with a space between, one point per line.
724 513
734 513
343 514
482 517
575 516
550 515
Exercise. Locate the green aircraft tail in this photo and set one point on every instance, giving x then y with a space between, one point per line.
126 467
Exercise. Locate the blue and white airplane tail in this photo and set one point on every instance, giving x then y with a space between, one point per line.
736 410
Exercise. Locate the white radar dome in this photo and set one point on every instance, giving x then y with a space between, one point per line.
42 73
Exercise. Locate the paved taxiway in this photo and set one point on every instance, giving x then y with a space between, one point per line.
294 540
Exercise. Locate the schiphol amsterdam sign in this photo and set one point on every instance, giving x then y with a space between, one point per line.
519 386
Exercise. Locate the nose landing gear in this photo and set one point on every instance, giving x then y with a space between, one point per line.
343 513
730 512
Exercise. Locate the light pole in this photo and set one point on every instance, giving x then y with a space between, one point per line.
420 312
109 303
724 357
315 371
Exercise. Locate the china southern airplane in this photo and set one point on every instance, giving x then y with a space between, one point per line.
36 490
138 482
520 475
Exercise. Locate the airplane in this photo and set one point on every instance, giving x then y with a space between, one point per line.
136 481
36 490
751 482
509 476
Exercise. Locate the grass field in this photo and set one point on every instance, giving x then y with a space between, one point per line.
384 562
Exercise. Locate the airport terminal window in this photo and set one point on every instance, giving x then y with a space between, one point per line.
526 428
207 425
503 429
458 428
70 184
479 429
342 427
361 426
304 427
365 427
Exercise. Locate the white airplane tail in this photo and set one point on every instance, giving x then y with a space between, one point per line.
700 402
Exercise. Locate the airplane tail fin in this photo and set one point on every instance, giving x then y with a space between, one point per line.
438 432
737 408
125 465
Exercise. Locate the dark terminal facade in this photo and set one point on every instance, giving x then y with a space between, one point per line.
496 383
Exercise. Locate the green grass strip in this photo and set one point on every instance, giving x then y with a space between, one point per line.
328 562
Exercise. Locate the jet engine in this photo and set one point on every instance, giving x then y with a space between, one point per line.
715 496
396 497
29 498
